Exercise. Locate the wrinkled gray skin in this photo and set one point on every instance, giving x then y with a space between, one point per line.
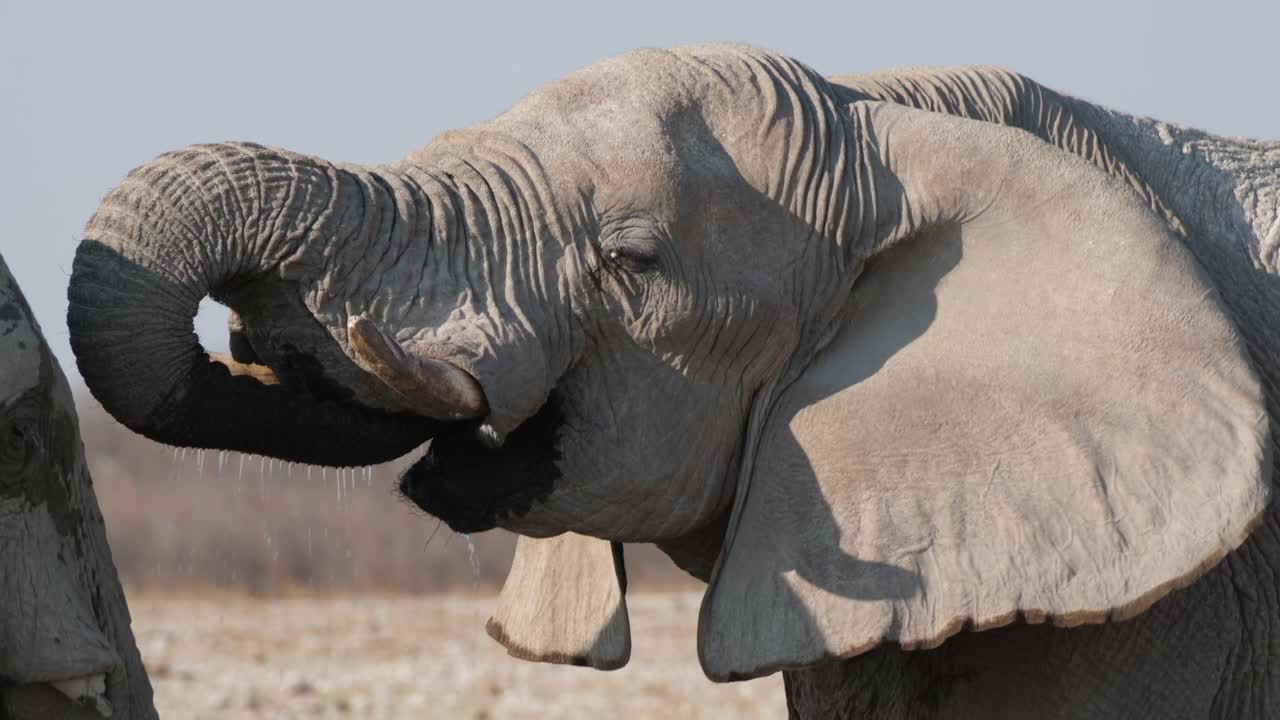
652 243
1210 650
64 620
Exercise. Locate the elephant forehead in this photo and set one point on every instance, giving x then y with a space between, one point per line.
20 346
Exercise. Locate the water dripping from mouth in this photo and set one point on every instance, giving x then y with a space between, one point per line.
473 559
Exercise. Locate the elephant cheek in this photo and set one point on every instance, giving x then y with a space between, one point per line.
49 630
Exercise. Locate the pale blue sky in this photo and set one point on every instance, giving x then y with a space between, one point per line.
89 90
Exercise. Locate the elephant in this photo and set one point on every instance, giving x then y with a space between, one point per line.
66 647
960 393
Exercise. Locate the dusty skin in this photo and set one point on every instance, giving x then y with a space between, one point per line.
402 657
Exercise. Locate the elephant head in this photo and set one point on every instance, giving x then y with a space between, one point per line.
901 372
66 649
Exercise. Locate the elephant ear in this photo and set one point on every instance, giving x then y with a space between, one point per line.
1035 408
564 602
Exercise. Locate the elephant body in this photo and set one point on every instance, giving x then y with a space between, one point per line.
66 648
962 394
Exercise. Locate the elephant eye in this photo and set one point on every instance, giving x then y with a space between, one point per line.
15 444
631 257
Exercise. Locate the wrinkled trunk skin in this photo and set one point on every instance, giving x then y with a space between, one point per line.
1209 650
250 226
62 611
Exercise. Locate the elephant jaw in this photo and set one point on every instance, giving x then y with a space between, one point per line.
473 481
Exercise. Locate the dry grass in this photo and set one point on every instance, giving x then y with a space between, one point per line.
235 658
209 520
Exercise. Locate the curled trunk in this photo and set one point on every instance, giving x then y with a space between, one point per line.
201 221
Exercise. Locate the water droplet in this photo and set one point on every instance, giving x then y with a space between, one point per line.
472 557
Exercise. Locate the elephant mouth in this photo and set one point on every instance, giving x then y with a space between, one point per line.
474 487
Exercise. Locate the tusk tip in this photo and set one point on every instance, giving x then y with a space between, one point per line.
490 437
87 690
261 373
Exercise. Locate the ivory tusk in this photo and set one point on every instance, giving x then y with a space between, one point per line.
436 388
87 690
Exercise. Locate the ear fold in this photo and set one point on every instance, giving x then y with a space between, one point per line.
1036 408
564 602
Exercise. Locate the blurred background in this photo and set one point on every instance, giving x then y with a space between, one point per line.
261 589
223 521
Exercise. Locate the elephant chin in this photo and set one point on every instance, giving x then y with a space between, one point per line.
473 486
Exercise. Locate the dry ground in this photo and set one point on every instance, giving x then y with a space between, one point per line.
234 657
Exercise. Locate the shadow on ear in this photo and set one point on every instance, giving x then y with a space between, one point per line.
1036 408
564 602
